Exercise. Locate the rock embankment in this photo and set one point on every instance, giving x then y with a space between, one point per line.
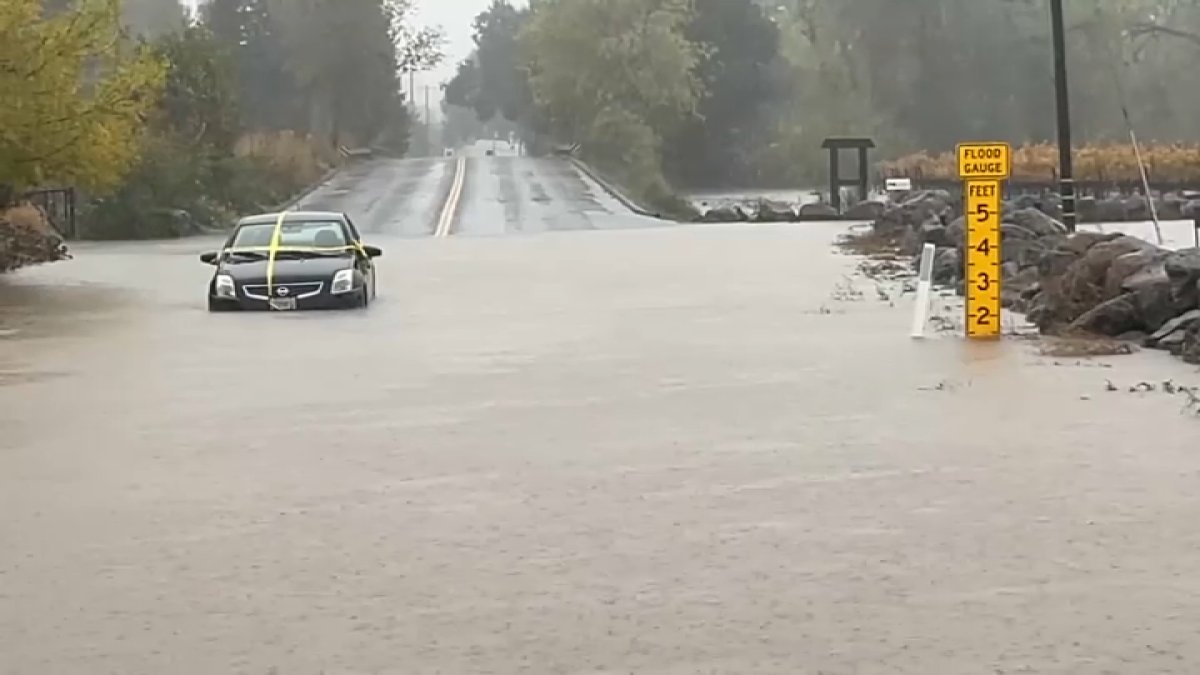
1086 283
775 211
27 238
1112 208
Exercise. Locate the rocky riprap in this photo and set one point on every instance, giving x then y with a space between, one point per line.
1184 204
27 238
774 211
1081 284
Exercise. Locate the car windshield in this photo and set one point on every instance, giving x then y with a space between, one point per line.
293 234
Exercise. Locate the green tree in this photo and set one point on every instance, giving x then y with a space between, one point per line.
741 74
199 101
186 173
618 76
75 94
267 91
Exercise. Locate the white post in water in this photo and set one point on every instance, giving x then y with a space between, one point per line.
924 290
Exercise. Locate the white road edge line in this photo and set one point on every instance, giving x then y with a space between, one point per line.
450 209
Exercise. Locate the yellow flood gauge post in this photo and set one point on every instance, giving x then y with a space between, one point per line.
983 167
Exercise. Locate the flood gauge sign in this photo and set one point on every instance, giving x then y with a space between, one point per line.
983 168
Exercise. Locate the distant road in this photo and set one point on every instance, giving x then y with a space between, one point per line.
501 194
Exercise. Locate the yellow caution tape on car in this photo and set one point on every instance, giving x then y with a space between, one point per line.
276 236
286 249
276 247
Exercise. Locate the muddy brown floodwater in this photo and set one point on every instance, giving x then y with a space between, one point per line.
641 451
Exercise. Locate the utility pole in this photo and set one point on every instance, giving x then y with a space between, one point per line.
428 125
1066 172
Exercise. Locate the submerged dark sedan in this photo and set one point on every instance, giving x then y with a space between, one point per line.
292 260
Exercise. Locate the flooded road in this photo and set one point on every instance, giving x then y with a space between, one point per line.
657 450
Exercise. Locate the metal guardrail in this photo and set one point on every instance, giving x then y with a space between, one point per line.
355 152
59 206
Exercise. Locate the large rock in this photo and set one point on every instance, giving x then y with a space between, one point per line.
1051 205
1176 327
27 238
1190 349
930 231
1137 208
1108 211
923 205
1080 242
870 209
1026 252
956 232
1125 266
891 223
1085 209
770 211
908 219
1147 276
1099 257
1111 318
1155 304
1024 201
1170 207
1055 262
1085 278
727 213
1080 288
934 231
947 266
1021 280
1014 231
1183 269
1037 222
818 211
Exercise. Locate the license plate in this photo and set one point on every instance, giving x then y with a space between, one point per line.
283 304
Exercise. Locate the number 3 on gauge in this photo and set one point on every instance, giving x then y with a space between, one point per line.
985 281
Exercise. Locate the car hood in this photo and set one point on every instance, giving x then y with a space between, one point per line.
288 270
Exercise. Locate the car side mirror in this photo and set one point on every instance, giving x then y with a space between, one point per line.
373 251
209 258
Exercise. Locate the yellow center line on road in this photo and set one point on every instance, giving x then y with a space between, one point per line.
450 209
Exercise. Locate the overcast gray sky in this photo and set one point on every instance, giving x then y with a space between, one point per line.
455 16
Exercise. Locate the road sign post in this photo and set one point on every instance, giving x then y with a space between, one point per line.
983 167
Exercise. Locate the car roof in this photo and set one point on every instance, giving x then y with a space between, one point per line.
271 218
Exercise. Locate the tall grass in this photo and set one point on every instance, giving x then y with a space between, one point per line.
293 159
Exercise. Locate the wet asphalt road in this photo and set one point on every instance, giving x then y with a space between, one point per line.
387 196
654 450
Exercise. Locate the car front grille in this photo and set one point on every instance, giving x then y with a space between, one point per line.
300 290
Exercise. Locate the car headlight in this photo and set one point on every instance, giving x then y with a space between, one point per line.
225 286
343 281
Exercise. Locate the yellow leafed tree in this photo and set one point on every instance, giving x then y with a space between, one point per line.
73 94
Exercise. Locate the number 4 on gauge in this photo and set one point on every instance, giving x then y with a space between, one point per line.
985 246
